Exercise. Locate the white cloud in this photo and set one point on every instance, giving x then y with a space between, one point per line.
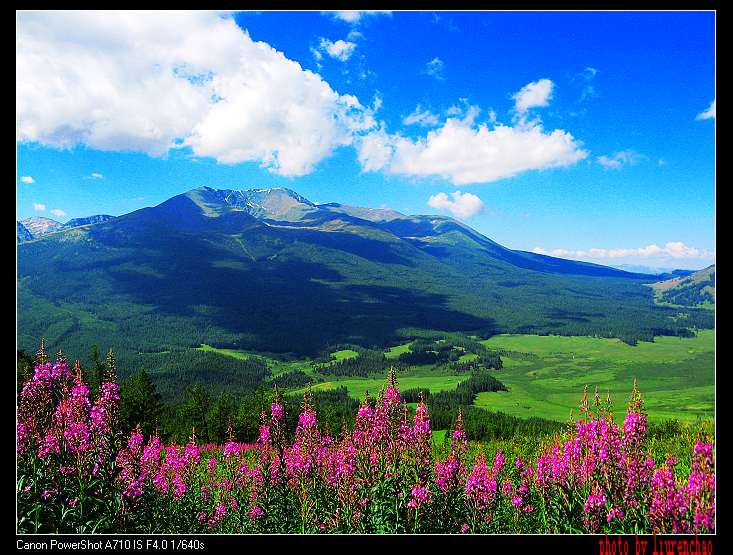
39 207
464 153
435 68
673 249
421 117
58 212
588 91
354 16
620 159
27 179
533 95
375 151
709 113
154 81
94 175
463 205
340 49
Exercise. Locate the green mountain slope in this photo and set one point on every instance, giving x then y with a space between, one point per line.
695 290
268 270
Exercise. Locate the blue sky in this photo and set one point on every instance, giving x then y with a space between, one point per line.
582 135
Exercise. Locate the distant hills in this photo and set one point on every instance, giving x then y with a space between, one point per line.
269 270
36 227
652 270
694 290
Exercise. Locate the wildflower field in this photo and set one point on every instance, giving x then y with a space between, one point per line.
76 472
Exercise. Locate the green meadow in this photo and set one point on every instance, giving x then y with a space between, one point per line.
546 375
357 387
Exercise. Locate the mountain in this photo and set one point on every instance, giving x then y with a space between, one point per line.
89 220
665 272
268 270
694 290
40 226
23 233
36 227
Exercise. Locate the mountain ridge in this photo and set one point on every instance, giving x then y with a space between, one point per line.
268 270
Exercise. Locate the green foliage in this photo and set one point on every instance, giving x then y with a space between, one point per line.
196 410
292 380
140 404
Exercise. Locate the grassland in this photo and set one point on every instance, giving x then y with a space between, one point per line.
545 375
357 387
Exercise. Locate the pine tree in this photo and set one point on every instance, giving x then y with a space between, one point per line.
141 403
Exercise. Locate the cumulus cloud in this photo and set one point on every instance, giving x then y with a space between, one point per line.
94 175
152 81
533 95
38 207
672 249
58 212
375 151
354 16
463 205
27 179
464 152
339 50
619 159
435 68
709 113
421 117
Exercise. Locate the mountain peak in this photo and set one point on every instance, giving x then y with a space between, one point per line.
276 203
38 225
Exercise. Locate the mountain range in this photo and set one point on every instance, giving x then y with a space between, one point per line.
36 227
269 270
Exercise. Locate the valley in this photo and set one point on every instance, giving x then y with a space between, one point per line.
268 271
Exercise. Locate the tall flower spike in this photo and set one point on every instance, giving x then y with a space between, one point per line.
111 370
41 356
192 439
635 402
307 399
391 378
77 370
584 402
230 430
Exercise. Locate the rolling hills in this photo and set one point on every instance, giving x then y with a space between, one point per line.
695 290
268 270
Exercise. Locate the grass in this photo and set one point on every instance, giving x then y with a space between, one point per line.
239 355
397 350
675 375
357 387
343 354
276 366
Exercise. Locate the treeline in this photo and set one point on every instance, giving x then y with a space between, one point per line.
484 425
215 419
291 380
368 362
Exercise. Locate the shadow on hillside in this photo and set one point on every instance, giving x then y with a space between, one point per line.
283 305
